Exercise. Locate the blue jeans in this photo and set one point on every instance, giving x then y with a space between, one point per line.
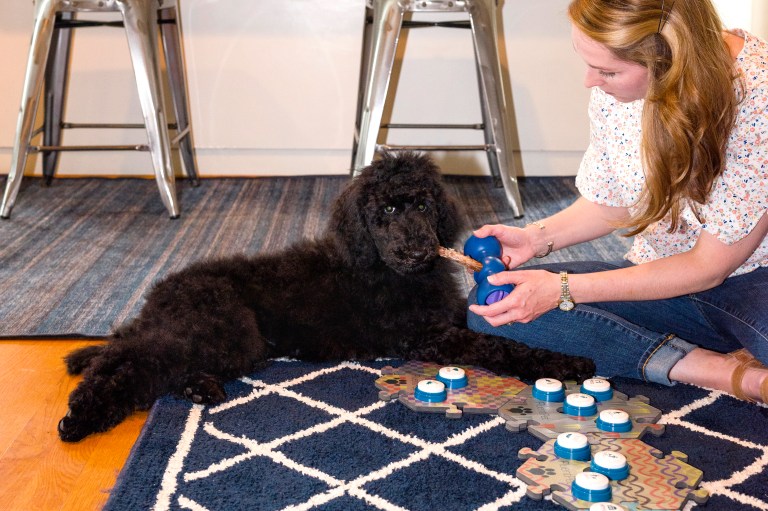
646 339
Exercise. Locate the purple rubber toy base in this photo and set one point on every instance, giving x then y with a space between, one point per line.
495 296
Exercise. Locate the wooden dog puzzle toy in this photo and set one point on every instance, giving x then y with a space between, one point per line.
609 474
550 407
427 387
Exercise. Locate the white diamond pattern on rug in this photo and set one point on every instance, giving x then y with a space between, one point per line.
317 437
408 457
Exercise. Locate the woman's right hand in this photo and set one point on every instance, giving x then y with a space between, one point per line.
516 243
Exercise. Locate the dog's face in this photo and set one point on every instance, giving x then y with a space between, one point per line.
397 212
404 226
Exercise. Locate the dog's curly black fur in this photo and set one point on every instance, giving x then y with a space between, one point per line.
373 286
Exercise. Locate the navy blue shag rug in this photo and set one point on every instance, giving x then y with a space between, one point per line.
316 436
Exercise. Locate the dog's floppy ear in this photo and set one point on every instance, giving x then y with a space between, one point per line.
348 227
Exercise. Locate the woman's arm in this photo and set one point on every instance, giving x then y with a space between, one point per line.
581 221
703 267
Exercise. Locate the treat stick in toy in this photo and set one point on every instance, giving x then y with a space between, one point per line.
489 250
460 258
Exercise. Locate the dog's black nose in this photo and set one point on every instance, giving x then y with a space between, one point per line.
418 255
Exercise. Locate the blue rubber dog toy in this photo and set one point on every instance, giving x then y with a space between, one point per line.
488 252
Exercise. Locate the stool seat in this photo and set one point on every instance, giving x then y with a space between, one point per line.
384 22
47 67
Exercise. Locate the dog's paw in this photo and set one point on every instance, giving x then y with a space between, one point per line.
78 360
204 389
72 430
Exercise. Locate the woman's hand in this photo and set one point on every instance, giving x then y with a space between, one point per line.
516 243
535 292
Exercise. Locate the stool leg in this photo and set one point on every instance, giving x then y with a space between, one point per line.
482 14
55 89
385 31
365 62
33 83
141 28
174 56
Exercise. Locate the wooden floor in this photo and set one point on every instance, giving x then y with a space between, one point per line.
37 470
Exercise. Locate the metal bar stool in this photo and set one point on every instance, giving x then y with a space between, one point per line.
47 65
384 21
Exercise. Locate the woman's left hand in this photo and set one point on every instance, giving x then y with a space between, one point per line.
535 292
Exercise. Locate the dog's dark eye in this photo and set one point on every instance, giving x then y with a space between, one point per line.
422 207
389 209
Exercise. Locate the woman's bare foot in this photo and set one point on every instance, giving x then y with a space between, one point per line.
738 373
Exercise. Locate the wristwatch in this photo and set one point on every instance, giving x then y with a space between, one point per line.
566 302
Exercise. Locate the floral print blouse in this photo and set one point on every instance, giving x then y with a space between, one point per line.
611 171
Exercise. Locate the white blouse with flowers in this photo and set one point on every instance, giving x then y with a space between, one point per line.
611 171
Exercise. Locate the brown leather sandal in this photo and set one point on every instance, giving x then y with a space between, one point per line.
746 360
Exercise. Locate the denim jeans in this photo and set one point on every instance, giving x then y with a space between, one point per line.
645 339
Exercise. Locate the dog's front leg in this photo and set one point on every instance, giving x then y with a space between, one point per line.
502 356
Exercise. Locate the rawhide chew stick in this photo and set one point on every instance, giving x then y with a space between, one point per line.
460 258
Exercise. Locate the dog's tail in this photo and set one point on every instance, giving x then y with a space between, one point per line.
81 358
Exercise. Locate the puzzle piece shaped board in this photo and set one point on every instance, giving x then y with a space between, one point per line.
655 482
545 420
485 392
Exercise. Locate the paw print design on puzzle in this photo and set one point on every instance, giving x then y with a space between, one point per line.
428 387
624 472
550 407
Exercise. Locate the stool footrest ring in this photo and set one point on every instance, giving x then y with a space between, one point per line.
388 147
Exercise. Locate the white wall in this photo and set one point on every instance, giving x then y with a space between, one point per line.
273 87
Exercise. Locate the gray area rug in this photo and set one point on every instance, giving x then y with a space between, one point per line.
76 258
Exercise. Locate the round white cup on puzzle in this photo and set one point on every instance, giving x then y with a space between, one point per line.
612 464
549 389
452 377
580 405
599 388
431 391
614 420
592 487
572 446
606 506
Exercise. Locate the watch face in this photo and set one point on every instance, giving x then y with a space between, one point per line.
566 305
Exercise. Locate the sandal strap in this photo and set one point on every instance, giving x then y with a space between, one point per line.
746 360
736 380
764 391
743 355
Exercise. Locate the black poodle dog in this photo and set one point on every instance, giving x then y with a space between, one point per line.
372 286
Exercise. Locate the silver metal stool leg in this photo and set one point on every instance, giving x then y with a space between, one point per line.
361 88
141 28
384 33
379 47
48 64
496 116
56 75
33 82
174 58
